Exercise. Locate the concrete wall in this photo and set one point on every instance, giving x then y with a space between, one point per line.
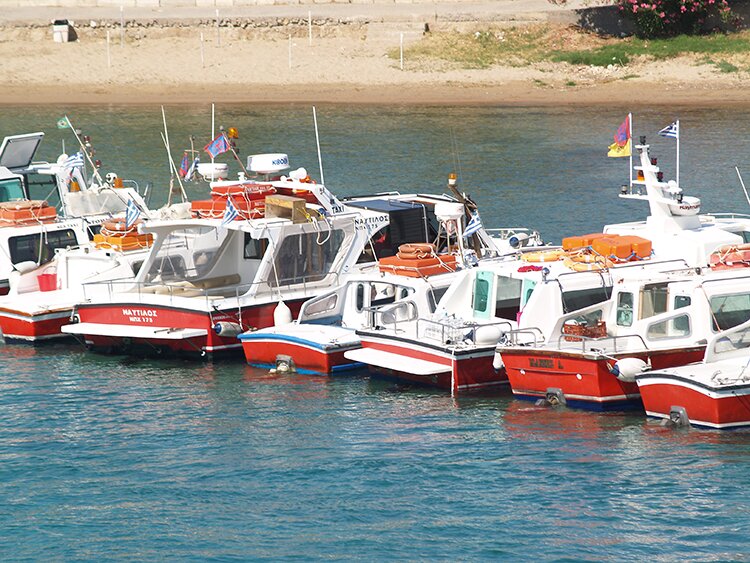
196 3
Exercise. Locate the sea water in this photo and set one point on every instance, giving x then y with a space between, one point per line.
115 458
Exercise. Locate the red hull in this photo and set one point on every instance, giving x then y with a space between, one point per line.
583 381
17 326
464 371
156 316
726 409
306 358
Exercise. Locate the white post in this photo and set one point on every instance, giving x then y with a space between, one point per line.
632 146
203 58
401 64
122 26
218 33
109 59
317 142
290 52
213 124
309 27
678 152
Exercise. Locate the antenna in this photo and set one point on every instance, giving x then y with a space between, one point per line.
317 142
744 189
172 167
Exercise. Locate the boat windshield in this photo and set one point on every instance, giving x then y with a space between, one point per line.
305 257
11 190
190 254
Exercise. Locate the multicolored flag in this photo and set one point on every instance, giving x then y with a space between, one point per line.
621 146
184 165
217 146
62 123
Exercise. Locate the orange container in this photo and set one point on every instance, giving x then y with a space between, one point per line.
214 208
243 191
640 246
581 241
418 268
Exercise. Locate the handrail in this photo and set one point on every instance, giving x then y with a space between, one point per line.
604 339
512 339
456 332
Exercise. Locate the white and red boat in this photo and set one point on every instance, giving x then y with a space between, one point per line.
592 356
325 328
406 286
236 276
714 393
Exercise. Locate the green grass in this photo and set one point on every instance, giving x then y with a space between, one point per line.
525 45
570 83
659 49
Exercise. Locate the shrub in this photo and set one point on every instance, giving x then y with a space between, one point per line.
666 18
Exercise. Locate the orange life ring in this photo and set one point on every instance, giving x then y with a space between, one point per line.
543 256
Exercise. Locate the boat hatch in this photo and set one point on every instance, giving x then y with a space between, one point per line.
17 152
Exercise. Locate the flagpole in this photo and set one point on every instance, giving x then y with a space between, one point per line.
630 136
678 152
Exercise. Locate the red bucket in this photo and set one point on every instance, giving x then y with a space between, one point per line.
47 282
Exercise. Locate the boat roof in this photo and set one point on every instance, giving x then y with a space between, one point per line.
384 205
17 151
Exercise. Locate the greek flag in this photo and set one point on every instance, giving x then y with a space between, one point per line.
73 160
230 213
131 214
672 130
473 225
192 169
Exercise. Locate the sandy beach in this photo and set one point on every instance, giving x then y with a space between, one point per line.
341 59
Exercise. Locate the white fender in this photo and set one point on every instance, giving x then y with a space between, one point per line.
627 368
282 315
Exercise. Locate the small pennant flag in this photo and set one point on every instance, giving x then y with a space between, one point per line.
184 165
672 130
473 225
62 123
131 214
230 213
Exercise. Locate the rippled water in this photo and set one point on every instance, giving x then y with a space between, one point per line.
105 457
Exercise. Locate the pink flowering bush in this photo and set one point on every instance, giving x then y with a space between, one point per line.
664 18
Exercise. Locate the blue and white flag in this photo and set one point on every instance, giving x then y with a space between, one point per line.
672 130
473 225
131 214
193 167
230 213
74 160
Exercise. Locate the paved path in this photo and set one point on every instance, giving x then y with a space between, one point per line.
487 11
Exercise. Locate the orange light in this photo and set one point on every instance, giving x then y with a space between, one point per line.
118 183
232 133
74 187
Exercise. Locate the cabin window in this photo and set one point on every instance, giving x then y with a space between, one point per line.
306 257
745 236
39 247
44 187
678 327
508 297
322 305
383 294
360 297
624 309
254 248
580 298
434 297
681 301
526 291
653 300
482 287
728 311
168 268
11 190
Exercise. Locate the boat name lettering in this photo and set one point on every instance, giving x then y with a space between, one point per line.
140 315
540 363
366 223
280 161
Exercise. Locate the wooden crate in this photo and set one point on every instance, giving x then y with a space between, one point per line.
286 207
